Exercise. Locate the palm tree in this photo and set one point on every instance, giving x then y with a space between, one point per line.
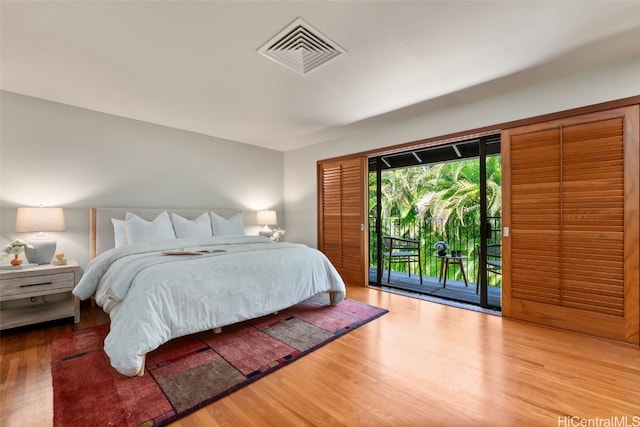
400 191
445 195
453 199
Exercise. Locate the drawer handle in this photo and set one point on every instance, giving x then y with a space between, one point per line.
36 284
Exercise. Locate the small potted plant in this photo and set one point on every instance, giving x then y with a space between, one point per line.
441 247
14 248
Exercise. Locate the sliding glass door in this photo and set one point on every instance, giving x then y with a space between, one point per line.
448 193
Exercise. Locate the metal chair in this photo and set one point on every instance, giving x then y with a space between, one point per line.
494 261
399 250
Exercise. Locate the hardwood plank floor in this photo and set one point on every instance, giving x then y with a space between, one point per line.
420 364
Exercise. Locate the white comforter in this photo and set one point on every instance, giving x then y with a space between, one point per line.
153 298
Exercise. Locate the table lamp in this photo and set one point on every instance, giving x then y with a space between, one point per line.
40 220
266 217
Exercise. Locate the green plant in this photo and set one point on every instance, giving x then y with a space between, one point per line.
439 202
15 247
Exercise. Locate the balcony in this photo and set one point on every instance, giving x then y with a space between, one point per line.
405 276
432 287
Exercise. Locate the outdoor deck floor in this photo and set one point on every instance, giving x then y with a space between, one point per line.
431 286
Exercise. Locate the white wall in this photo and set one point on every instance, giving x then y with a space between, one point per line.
613 82
58 155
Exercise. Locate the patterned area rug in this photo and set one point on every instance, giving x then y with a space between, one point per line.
188 373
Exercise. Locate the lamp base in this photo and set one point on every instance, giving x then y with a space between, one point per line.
266 231
42 251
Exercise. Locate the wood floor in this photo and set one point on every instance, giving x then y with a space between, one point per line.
421 364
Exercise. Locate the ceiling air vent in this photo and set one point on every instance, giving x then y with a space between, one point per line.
301 48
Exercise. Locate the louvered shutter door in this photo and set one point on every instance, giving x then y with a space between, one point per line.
331 221
535 224
571 259
341 215
593 217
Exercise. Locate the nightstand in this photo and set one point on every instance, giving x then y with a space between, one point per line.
38 294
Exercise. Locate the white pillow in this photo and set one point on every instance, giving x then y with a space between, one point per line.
227 227
119 232
140 230
200 227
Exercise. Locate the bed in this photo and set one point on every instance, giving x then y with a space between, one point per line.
157 286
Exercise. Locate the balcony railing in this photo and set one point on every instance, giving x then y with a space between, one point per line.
465 239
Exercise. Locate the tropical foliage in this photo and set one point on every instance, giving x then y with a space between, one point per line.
437 202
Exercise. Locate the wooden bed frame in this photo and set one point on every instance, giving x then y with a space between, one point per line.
101 236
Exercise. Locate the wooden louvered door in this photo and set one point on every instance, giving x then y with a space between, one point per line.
534 242
341 217
571 256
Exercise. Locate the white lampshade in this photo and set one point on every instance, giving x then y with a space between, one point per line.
267 217
40 220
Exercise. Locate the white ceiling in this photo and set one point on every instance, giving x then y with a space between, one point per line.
194 64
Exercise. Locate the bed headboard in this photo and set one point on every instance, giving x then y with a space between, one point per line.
101 229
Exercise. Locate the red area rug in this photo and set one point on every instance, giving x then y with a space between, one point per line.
188 373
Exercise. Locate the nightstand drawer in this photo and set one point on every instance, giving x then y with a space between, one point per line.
41 284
